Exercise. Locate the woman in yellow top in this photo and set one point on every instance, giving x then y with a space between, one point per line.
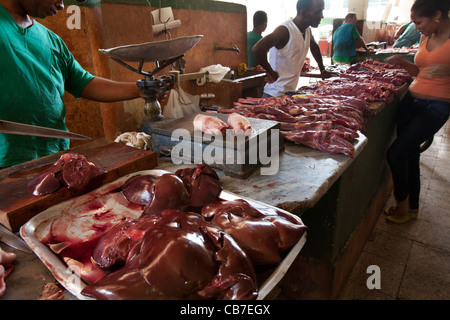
425 108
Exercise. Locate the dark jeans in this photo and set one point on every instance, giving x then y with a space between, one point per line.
418 120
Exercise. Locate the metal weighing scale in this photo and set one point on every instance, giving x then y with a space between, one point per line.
163 54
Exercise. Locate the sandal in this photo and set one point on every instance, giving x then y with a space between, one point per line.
409 216
391 211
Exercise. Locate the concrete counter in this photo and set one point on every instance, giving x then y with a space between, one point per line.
337 197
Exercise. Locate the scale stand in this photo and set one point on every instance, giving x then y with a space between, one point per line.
207 97
163 54
152 86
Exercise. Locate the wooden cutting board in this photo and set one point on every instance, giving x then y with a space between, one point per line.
17 205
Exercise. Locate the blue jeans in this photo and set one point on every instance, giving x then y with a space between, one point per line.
418 120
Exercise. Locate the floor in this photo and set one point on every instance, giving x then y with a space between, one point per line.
413 258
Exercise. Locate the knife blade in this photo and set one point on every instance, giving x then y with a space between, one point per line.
12 240
30 130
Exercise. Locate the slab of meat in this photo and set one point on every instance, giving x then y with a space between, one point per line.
239 124
178 255
6 260
73 171
370 70
263 236
209 124
330 126
371 91
202 183
330 142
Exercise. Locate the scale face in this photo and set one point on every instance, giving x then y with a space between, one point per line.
153 51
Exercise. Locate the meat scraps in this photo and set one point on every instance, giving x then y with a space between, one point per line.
326 123
339 103
71 170
369 80
264 236
178 255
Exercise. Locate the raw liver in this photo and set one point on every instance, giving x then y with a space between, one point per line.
17 205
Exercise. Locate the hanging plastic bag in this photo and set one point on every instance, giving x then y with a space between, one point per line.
181 104
216 73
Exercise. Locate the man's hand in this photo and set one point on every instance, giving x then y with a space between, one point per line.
327 74
271 77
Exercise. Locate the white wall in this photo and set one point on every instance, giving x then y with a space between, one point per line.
401 11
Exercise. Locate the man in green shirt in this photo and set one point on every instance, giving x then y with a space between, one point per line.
36 68
346 39
259 26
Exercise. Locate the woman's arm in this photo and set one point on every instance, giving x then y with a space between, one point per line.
412 69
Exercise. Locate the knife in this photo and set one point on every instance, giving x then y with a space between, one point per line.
30 130
12 240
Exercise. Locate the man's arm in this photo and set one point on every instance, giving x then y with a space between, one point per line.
105 90
278 38
315 51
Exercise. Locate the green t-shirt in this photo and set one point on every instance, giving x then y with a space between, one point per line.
252 39
35 69
347 59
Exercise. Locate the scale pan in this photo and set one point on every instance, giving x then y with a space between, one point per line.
153 51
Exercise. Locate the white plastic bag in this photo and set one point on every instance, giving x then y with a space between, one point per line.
181 104
139 140
216 74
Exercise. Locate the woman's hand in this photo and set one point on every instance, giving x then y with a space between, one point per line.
435 71
408 66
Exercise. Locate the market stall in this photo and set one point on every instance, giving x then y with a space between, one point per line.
304 205
325 188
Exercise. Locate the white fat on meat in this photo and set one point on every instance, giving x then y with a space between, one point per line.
209 124
239 124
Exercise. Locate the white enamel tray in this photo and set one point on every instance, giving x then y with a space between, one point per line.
77 215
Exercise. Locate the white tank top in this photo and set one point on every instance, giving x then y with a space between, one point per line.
288 61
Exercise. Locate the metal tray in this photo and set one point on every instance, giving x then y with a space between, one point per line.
153 51
81 226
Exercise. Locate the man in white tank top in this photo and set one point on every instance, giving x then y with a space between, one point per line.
289 44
